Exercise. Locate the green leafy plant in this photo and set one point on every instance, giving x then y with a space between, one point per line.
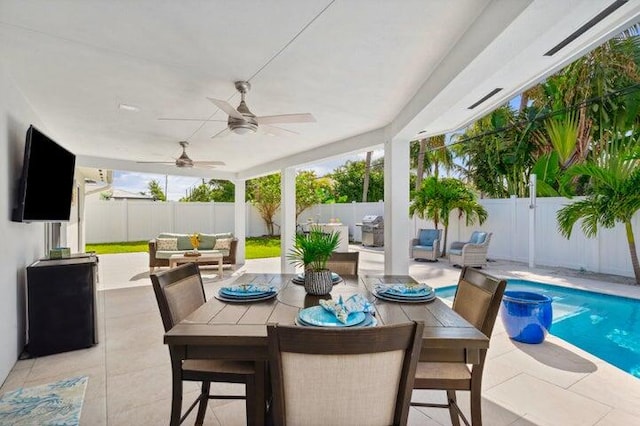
312 250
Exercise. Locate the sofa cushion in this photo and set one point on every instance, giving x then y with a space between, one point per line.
455 251
478 237
166 244
426 248
184 243
428 236
223 244
207 241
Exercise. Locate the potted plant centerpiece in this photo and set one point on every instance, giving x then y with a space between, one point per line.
311 251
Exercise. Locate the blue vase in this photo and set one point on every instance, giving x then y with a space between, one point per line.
526 315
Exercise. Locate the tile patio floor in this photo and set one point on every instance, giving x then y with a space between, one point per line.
552 383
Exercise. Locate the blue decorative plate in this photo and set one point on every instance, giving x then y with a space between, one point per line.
405 290
250 290
320 317
244 299
414 299
369 321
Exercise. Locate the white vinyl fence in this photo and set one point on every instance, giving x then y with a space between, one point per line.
123 220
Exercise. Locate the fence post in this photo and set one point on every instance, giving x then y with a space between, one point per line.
532 221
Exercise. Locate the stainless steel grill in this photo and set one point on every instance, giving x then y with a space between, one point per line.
372 231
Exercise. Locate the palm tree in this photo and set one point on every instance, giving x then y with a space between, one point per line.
615 196
429 155
437 198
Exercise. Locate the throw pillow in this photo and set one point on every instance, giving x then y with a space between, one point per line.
223 244
166 244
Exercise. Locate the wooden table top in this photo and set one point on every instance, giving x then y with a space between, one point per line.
447 336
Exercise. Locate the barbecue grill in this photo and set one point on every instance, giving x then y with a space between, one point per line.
372 231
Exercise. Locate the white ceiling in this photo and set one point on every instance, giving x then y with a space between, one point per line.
368 70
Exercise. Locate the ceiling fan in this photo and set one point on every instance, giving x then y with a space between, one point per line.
183 161
242 121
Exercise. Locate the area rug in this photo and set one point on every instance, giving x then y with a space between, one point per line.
58 403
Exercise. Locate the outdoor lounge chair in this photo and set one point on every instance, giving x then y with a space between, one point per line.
472 252
427 245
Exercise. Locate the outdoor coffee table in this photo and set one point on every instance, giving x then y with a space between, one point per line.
177 259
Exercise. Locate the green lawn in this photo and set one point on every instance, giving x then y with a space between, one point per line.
256 247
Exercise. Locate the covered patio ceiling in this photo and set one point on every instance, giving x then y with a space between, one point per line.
368 71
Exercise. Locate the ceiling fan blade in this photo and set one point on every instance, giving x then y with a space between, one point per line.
189 119
226 107
156 162
276 131
209 164
222 133
286 118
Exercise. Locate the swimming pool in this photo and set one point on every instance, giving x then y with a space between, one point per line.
603 325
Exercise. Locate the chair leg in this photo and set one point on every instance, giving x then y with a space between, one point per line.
453 412
176 397
204 399
476 403
251 403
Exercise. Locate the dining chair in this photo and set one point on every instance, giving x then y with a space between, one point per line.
323 376
477 300
343 263
179 292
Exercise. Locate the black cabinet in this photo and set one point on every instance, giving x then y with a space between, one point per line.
61 305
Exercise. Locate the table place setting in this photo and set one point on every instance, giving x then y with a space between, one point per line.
407 293
299 278
246 293
356 311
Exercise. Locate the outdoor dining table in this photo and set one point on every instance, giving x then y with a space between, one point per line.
221 330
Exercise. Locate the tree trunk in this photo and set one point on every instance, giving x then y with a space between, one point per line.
367 172
444 241
420 165
632 250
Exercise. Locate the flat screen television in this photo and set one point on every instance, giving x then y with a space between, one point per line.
46 185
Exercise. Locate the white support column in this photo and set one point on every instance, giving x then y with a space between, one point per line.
288 217
396 207
240 219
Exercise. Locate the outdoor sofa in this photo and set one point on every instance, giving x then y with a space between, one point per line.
165 245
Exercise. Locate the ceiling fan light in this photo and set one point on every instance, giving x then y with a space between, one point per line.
242 128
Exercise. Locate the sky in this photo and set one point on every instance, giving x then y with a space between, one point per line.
177 186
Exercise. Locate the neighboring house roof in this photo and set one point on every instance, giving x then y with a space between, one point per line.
121 194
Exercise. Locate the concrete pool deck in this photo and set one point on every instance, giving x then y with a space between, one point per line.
553 383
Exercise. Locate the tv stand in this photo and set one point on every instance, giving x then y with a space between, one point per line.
61 304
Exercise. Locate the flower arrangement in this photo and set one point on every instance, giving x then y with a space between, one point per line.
195 240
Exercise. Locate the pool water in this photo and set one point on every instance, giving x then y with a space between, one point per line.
603 325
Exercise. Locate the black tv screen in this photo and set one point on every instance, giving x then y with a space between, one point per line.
46 184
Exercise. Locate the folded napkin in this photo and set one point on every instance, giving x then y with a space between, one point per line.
410 289
342 309
248 289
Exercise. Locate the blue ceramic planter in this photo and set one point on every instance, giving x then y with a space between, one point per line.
526 316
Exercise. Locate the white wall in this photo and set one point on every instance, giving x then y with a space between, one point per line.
22 243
